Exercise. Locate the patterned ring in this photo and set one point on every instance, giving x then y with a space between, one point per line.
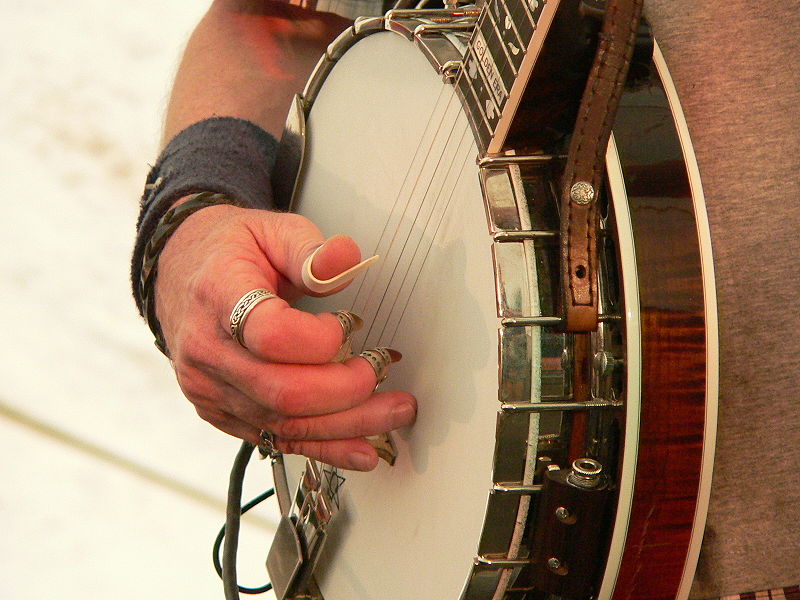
242 309
350 322
266 444
379 358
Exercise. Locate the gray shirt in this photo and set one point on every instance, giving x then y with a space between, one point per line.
735 65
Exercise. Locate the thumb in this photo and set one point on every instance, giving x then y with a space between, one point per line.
315 266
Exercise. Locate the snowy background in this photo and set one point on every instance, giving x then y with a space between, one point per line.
111 485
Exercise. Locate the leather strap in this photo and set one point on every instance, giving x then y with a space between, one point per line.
585 166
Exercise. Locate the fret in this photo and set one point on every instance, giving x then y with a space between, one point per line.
482 98
532 9
494 38
488 68
477 120
513 44
494 59
519 18
484 92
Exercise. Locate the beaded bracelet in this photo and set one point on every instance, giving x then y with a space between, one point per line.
167 225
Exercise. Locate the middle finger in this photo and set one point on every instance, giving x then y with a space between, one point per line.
295 390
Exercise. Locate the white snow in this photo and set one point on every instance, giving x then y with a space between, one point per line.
111 485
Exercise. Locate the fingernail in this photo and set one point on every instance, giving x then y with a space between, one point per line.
402 415
361 462
394 354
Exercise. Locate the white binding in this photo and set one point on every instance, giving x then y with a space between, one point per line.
633 360
712 340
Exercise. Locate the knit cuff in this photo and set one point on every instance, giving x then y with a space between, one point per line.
224 155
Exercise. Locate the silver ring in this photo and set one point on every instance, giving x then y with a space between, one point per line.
380 359
266 444
243 307
350 322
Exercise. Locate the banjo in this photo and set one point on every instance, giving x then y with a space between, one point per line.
544 463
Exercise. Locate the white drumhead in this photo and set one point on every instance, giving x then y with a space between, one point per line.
412 530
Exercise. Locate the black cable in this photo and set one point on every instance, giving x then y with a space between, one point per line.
230 531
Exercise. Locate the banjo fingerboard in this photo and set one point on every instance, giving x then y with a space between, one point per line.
495 66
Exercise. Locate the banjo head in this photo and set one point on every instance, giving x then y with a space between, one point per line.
414 199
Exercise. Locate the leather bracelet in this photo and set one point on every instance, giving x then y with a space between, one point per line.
224 155
167 225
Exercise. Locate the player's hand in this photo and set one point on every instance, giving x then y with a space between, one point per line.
283 382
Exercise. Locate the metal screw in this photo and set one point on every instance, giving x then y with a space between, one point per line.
556 566
581 192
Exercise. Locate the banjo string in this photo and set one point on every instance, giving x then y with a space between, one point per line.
425 232
432 237
395 204
429 230
361 298
422 204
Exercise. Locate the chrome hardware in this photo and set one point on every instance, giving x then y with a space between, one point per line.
444 51
493 562
556 566
548 321
285 558
605 363
281 487
563 515
439 27
516 488
450 70
527 407
609 318
365 25
289 157
385 447
323 510
341 44
586 473
311 480
406 21
581 193
531 321
519 236
432 14
316 79
302 532
501 160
